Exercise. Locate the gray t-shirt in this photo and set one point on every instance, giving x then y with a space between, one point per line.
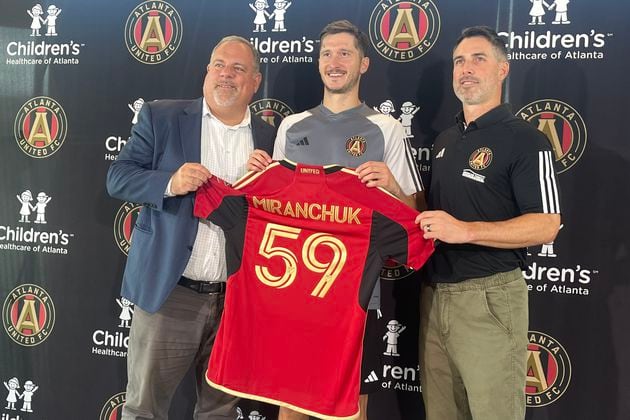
349 138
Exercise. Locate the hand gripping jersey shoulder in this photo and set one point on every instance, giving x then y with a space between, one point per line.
304 247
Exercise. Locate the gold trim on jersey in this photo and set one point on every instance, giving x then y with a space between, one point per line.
280 403
250 176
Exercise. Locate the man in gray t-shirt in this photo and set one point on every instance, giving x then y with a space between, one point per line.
344 131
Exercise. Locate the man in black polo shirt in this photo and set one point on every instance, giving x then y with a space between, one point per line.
493 192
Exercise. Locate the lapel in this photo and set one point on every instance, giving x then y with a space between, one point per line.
190 131
258 133
255 131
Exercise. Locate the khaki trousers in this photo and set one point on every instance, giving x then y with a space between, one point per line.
473 348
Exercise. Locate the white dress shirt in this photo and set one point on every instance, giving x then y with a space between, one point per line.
224 151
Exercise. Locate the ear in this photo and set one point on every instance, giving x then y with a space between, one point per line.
257 80
365 63
504 69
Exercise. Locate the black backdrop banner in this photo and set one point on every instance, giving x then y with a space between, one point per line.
73 76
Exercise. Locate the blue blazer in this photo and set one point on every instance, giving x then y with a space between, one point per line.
167 135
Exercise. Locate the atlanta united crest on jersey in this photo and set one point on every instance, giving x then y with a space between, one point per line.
304 247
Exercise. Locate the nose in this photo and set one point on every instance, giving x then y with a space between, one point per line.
227 72
467 68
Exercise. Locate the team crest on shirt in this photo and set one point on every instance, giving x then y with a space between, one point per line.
480 159
564 127
548 370
356 146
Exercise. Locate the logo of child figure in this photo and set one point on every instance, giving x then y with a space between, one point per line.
36 13
39 207
13 386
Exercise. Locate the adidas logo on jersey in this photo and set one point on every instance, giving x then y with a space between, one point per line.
440 154
371 378
303 142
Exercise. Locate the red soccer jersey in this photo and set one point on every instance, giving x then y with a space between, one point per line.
304 248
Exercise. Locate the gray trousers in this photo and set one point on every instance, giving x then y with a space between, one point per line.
473 348
162 348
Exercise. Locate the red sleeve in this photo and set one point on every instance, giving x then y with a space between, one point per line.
408 245
209 201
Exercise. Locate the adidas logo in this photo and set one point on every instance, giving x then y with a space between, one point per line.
303 142
440 154
371 378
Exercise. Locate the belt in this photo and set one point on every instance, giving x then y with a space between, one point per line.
204 287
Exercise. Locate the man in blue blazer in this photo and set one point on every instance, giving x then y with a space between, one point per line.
176 271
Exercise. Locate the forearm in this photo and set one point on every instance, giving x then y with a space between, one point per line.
519 232
409 200
131 183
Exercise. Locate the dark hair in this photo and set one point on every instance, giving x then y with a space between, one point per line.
489 34
361 40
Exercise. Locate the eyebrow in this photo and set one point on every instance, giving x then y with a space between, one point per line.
478 54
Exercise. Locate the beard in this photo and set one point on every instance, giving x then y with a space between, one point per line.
224 98
345 88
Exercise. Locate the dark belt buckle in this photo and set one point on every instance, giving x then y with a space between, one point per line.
212 288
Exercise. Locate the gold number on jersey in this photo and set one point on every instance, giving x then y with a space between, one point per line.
331 269
267 250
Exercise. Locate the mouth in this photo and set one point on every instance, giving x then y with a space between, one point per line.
468 81
224 86
335 74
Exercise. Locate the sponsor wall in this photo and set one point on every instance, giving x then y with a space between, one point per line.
73 76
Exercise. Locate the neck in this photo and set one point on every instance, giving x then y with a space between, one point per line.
229 116
472 112
339 102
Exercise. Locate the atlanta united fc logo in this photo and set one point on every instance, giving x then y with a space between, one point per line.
392 270
356 146
564 127
548 370
123 225
112 410
28 315
153 32
480 159
271 110
404 30
40 127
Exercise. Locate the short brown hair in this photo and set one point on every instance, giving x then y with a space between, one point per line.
361 40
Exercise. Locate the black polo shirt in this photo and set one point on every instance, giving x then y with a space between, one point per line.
497 168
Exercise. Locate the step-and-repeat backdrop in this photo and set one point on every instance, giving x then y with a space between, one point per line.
74 74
